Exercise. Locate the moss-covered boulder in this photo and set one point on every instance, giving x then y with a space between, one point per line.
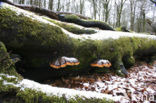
39 44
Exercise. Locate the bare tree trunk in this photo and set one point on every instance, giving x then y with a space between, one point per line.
14 1
144 21
31 2
40 3
154 14
51 3
94 8
106 10
82 3
45 3
36 2
119 8
138 25
68 6
143 9
21 1
132 13
58 5
99 9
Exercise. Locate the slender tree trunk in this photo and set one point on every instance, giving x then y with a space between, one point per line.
14 1
21 1
58 6
144 21
68 6
94 8
81 6
45 3
132 13
119 8
51 4
106 10
31 2
40 3
36 2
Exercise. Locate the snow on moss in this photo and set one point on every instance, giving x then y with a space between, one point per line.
69 93
53 91
100 35
8 76
26 13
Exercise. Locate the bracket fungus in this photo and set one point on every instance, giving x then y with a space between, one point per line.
64 61
101 63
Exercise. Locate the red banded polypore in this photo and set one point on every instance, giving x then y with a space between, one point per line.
101 63
64 61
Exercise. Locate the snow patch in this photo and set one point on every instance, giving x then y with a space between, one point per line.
10 83
8 76
26 13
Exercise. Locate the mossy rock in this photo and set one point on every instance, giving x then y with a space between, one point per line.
39 44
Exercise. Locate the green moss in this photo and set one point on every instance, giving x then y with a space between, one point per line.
118 29
6 64
122 28
71 28
32 96
72 17
22 34
40 43
86 23
12 94
124 50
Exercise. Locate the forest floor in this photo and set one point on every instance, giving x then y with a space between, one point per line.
138 86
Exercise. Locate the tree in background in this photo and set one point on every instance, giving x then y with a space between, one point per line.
130 13
21 1
58 6
141 17
119 4
82 3
51 3
106 9
133 4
